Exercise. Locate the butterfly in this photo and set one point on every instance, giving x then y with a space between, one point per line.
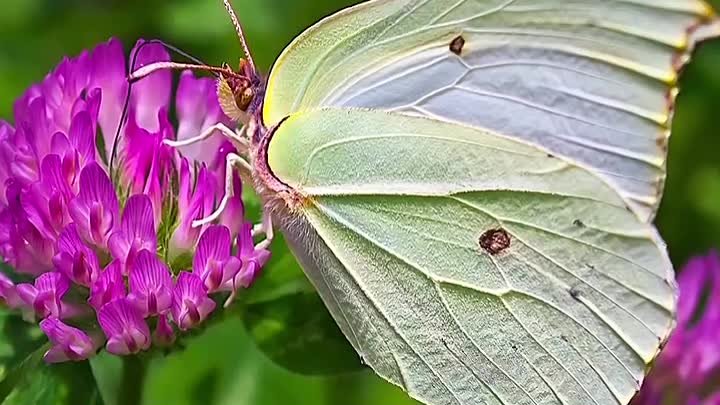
470 186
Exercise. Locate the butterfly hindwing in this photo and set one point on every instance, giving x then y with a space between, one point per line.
470 268
592 81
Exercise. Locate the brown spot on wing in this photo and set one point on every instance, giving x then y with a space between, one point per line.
457 44
494 241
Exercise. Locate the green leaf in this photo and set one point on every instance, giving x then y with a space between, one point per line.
21 350
33 382
282 276
290 323
198 368
17 340
298 333
107 371
17 375
222 366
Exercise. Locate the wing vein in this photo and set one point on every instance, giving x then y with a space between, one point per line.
365 292
568 288
535 339
502 221
477 347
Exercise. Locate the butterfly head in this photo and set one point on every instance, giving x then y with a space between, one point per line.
240 92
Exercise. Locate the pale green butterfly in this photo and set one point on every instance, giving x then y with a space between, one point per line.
469 185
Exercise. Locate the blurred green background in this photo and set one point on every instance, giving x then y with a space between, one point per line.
228 364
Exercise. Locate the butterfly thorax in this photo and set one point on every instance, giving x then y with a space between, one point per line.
241 93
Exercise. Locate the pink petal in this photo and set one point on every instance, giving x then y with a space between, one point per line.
164 334
37 127
68 343
198 109
213 262
109 286
82 136
151 93
124 327
138 220
53 177
36 207
234 213
32 250
46 205
60 144
150 284
7 132
74 259
8 292
246 245
108 73
54 282
146 160
45 297
213 249
96 207
193 203
27 293
191 304
136 231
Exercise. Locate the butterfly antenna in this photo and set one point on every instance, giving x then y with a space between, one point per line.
239 31
179 52
126 103
123 116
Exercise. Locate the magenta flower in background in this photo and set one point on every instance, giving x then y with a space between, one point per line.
164 334
687 370
45 297
135 233
252 259
116 251
95 209
68 343
109 284
151 284
8 292
124 326
191 304
214 262
74 259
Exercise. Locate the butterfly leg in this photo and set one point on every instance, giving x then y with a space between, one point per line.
265 228
232 161
238 137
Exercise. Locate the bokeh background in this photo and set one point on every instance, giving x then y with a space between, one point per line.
281 347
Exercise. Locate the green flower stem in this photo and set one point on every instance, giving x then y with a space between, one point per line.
133 378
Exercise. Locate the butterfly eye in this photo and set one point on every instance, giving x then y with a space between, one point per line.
235 97
244 98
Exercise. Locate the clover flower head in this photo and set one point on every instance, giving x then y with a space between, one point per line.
106 254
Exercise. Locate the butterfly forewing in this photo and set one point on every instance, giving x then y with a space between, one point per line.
592 81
